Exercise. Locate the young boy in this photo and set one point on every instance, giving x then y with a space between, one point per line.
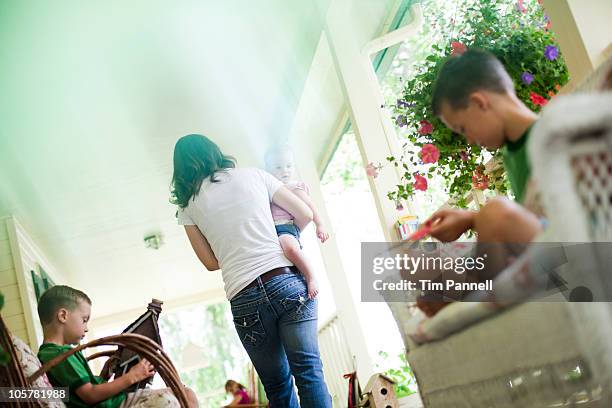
279 163
474 96
64 313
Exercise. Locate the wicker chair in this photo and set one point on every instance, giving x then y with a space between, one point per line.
13 375
574 148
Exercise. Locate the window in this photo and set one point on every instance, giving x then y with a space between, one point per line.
395 65
354 218
203 344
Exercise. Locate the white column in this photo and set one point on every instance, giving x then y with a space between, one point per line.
338 279
307 156
375 133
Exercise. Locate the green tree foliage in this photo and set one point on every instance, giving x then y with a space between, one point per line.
211 329
401 373
345 170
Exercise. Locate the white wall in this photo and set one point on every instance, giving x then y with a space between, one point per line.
584 32
593 18
19 255
12 313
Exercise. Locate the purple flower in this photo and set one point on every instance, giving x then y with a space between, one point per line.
402 103
527 78
551 52
401 120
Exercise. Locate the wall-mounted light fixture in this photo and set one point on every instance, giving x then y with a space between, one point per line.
153 241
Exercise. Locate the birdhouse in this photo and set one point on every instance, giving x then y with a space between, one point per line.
379 393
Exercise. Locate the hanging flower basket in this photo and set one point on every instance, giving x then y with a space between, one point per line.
518 34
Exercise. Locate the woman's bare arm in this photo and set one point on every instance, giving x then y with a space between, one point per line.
201 247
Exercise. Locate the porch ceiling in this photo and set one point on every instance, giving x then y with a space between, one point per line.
94 97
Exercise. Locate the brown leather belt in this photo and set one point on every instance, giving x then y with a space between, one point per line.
269 275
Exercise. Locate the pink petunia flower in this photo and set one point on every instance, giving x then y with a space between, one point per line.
429 153
480 181
420 182
457 48
425 127
372 170
537 99
521 7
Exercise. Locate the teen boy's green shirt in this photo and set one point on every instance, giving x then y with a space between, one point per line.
72 373
517 165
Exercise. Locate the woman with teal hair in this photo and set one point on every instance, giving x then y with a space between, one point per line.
226 214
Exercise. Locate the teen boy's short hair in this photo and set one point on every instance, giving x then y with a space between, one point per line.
56 298
464 74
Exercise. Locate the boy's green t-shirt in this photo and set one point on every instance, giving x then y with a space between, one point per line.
72 373
517 165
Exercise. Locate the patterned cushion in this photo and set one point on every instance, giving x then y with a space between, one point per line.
151 398
30 364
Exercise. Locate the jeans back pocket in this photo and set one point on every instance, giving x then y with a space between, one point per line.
299 307
250 330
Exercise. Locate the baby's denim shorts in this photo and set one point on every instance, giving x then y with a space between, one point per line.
289 229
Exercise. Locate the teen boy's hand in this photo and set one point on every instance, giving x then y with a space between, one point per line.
141 371
448 224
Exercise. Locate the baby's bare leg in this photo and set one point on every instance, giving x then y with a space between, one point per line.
291 248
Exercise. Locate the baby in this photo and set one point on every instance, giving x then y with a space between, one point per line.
279 163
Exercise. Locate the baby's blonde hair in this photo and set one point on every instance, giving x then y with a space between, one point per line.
275 151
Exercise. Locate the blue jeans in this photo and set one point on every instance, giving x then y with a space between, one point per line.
277 325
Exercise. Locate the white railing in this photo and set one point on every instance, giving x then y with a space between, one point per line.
337 359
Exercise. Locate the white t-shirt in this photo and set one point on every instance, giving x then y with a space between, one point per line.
234 215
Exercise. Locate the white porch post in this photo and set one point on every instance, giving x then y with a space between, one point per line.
337 276
373 128
306 155
340 51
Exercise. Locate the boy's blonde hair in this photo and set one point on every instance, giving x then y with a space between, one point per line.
56 298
